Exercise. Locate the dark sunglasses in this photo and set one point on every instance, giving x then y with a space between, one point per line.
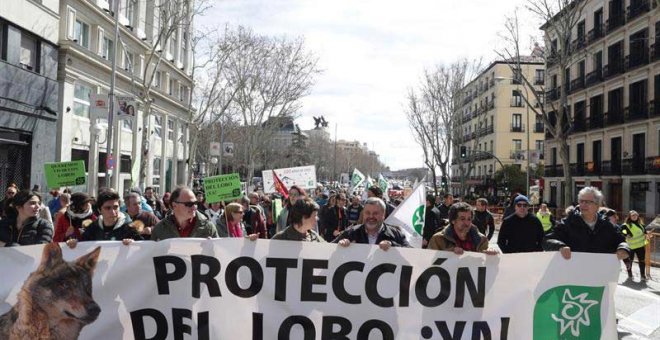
522 205
187 204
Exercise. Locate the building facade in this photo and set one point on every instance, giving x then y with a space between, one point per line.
28 90
87 48
612 87
496 126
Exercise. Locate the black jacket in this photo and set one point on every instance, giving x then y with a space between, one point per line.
332 218
444 211
35 231
122 229
573 232
432 223
520 235
358 234
484 221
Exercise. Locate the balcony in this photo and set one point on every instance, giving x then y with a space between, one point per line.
539 81
613 69
652 165
579 124
614 118
595 33
578 44
638 9
637 59
615 21
594 77
517 127
611 168
634 166
539 127
596 121
577 84
553 94
554 170
636 112
593 168
578 169
485 131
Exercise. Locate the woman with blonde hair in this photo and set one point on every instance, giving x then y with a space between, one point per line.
230 222
637 237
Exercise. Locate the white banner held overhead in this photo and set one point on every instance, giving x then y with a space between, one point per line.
302 176
239 289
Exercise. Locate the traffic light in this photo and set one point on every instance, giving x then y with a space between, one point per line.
443 182
463 151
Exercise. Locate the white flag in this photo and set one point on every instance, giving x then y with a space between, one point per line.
384 185
367 185
409 215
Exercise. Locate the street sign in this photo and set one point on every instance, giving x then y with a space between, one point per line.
65 174
98 108
227 149
110 163
222 188
214 149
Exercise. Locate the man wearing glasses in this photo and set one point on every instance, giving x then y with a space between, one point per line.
584 230
520 232
185 220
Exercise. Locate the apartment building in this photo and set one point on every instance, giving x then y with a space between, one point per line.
87 48
496 126
613 85
28 90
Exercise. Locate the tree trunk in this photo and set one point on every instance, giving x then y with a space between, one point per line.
568 178
146 145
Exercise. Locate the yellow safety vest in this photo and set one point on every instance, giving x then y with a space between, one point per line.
545 221
637 239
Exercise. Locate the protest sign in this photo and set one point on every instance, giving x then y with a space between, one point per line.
241 289
302 176
222 188
65 174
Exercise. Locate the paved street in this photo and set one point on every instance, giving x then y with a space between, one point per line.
637 304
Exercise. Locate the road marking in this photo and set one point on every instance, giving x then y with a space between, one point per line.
645 320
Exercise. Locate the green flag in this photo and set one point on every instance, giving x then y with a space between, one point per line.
357 178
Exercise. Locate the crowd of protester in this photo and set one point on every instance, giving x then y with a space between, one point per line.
337 216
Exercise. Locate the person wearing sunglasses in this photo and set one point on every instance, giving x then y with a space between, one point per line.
230 222
520 232
584 230
184 220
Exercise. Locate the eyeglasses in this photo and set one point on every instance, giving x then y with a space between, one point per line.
188 204
239 212
586 202
521 205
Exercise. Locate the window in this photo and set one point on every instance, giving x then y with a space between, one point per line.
171 87
2 42
539 146
181 132
108 49
157 79
173 44
81 33
156 167
128 61
516 122
70 23
158 126
516 99
127 124
170 129
81 94
491 146
539 77
183 93
517 144
28 58
129 11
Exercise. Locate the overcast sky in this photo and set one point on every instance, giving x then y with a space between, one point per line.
371 52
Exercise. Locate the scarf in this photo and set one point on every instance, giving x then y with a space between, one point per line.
234 229
80 216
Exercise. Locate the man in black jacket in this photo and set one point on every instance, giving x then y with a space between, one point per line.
483 219
432 221
520 232
373 231
584 230
448 200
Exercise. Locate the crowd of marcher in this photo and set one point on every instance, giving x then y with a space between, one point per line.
337 216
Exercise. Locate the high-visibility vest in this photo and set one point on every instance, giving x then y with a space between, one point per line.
637 239
545 221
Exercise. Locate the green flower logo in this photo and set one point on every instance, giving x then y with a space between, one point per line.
568 312
418 219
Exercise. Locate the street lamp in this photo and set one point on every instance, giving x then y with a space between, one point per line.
214 161
528 126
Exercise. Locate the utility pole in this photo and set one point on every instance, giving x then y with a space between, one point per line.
334 164
112 176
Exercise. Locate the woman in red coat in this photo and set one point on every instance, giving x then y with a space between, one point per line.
77 217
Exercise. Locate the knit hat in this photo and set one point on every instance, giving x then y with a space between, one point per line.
520 198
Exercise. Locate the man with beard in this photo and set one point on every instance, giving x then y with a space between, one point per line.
144 221
373 231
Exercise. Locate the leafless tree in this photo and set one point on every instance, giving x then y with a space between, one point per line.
272 75
166 18
433 109
559 19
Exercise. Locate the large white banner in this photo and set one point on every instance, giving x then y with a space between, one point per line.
240 289
302 176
